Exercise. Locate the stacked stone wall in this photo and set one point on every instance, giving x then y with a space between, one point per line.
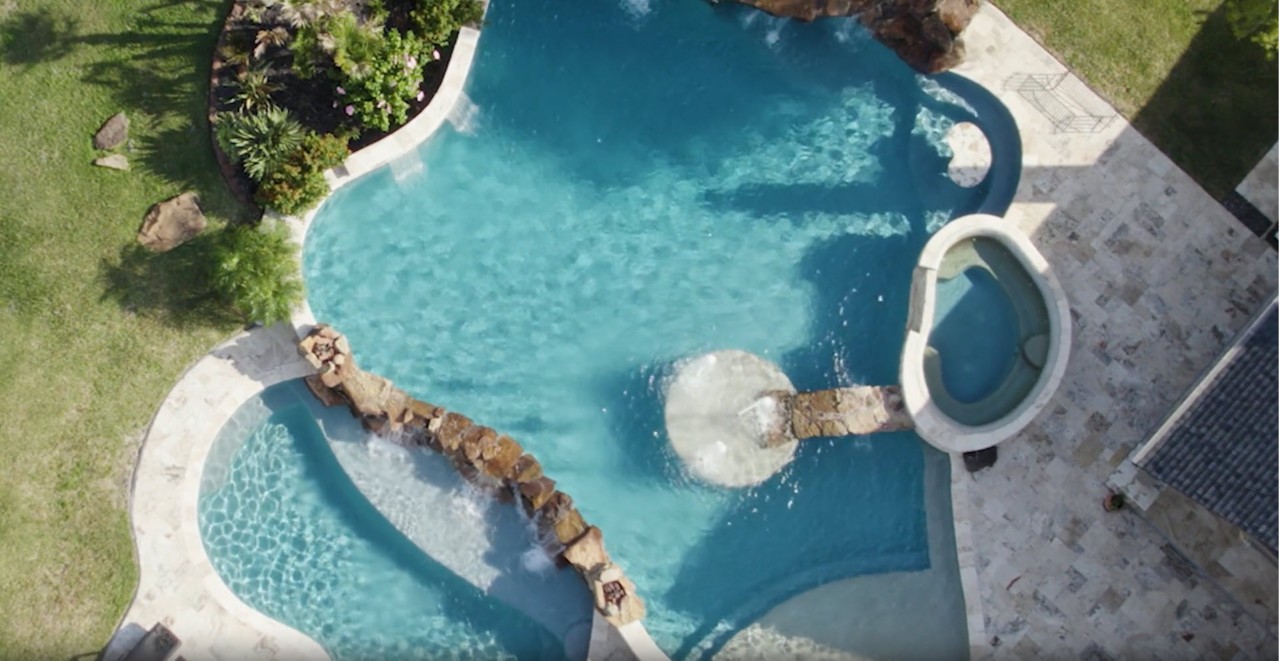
484 456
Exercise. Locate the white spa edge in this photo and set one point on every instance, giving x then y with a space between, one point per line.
931 423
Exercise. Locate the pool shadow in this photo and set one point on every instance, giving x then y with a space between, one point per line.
635 399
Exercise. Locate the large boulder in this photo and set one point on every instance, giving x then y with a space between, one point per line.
171 223
113 133
924 33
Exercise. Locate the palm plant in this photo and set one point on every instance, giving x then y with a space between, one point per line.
264 40
255 88
255 270
259 140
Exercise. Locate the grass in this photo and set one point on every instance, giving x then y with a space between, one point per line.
93 331
1175 70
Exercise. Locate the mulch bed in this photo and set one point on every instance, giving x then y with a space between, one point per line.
313 101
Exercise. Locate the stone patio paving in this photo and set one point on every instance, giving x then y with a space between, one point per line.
1160 276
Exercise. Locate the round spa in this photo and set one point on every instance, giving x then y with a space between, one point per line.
987 335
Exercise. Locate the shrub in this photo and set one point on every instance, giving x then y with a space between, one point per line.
298 183
1255 20
259 140
379 93
338 38
435 20
255 270
255 88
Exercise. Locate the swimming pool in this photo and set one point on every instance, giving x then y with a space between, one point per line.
633 185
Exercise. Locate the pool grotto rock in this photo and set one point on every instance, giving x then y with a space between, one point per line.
482 455
924 33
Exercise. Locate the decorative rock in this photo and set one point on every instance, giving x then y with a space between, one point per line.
171 223
113 161
113 132
587 552
536 493
924 33
503 459
481 455
367 393
852 411
451 430
322 392
615 595
570 527
526 469
557 507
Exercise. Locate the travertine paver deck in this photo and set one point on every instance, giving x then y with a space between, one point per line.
1159 276
177 585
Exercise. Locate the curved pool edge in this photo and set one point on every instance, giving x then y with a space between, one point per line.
381 153
931 423
177 584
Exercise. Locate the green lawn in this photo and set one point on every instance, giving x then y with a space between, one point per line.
92 332
1172 67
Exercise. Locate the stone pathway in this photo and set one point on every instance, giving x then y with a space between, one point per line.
1159 276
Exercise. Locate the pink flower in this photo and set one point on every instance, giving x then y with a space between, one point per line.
410 61
351 110
435 54
421 95
341 92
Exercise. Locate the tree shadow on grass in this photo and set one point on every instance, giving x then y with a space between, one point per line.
171 287
157 71
30 37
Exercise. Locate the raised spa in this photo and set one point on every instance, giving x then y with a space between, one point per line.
987 341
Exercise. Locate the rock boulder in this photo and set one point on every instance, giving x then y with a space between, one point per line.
171 223
924 33
114 132
113 161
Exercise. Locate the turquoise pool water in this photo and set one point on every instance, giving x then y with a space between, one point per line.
976 334
291 535
633 184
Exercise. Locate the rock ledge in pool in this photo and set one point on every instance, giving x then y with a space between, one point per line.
924 33
483 456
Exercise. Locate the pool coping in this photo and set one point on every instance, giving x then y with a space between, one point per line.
177 584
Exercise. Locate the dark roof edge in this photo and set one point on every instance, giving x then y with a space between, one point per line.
1201 384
